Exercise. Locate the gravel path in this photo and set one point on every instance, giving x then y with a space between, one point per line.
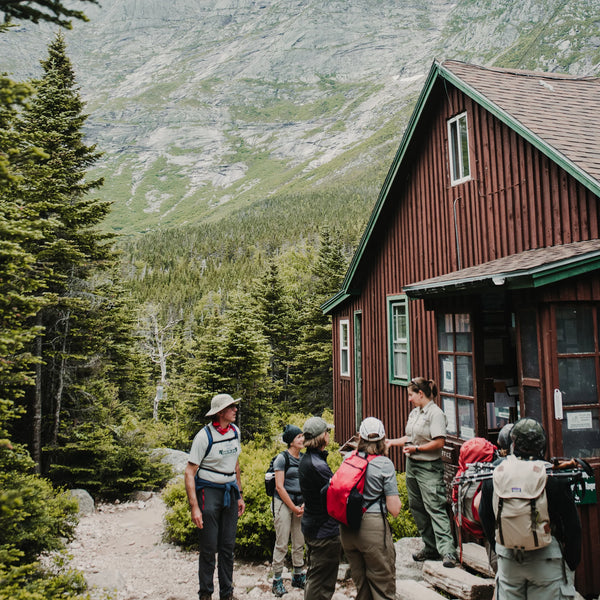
119 548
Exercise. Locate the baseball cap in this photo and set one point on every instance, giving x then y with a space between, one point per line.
372 430
313 427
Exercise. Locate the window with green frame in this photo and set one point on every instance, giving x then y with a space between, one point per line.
399 343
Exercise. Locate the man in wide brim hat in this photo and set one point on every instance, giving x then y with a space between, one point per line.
221 402
214 491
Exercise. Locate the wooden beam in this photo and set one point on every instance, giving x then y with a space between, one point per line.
457 582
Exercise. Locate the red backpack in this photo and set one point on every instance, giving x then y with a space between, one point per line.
464 491
345 490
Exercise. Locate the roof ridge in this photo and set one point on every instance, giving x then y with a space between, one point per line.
521 72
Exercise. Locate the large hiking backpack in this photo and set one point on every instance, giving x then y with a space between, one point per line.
270 473
465 489
520 504
345 490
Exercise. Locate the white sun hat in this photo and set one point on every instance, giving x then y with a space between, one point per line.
219 402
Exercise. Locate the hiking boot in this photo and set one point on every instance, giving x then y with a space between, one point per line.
426 555
449 561
298 580
278 587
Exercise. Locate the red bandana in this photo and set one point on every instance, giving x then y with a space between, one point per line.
221 430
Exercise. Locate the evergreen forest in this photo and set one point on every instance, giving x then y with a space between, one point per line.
111 347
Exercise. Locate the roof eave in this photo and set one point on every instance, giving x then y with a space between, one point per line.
524 279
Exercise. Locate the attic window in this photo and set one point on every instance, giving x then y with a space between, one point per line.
458 142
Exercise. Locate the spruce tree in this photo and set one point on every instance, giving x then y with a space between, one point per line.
72 249
313 359
53 11
278 323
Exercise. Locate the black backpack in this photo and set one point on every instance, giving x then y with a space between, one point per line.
270 473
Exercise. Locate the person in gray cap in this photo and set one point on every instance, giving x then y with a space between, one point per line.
288 508
321 532
214 491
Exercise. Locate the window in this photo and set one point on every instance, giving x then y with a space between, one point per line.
578 356
399 363
458 142
455 352
345 348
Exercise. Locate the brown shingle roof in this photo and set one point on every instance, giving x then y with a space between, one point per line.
511 267
560 109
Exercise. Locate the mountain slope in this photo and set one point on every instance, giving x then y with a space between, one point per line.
203 107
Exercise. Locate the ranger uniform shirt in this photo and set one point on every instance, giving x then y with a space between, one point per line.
424 425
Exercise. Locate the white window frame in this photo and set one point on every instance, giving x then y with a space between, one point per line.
458 149
345 347
398 306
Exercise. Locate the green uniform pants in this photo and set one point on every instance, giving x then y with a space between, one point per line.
427 502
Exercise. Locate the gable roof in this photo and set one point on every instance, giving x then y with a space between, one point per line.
556 113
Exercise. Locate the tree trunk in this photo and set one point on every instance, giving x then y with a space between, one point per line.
61 381
36 434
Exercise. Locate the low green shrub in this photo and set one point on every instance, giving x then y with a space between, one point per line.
34 518
31 581
403 525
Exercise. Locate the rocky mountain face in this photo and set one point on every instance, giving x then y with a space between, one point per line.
204 106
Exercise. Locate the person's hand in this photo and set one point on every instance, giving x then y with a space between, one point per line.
409 449
197 517
299 510
241 506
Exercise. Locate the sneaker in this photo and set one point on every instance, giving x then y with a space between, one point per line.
449 561
426 555
278 588
298 580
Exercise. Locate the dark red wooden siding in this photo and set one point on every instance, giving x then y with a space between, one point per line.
516 200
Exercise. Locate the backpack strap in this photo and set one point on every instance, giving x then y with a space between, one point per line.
499 519
533 521
209 447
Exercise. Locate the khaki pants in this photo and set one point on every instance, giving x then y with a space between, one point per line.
372 557
286 525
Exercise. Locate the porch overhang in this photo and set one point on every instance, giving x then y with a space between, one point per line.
529 269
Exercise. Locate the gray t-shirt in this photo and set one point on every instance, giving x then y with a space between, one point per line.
292 481
380 480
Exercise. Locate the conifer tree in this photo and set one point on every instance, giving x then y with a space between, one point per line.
277 320
19 280
72 248
313 362
53 11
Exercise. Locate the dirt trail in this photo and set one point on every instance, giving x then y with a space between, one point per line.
119 547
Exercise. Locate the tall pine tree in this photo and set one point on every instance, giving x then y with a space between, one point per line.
313 364
72 249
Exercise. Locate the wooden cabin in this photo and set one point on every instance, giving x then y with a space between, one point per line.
480 268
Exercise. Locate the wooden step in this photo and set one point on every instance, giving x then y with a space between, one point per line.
409 589
457 582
